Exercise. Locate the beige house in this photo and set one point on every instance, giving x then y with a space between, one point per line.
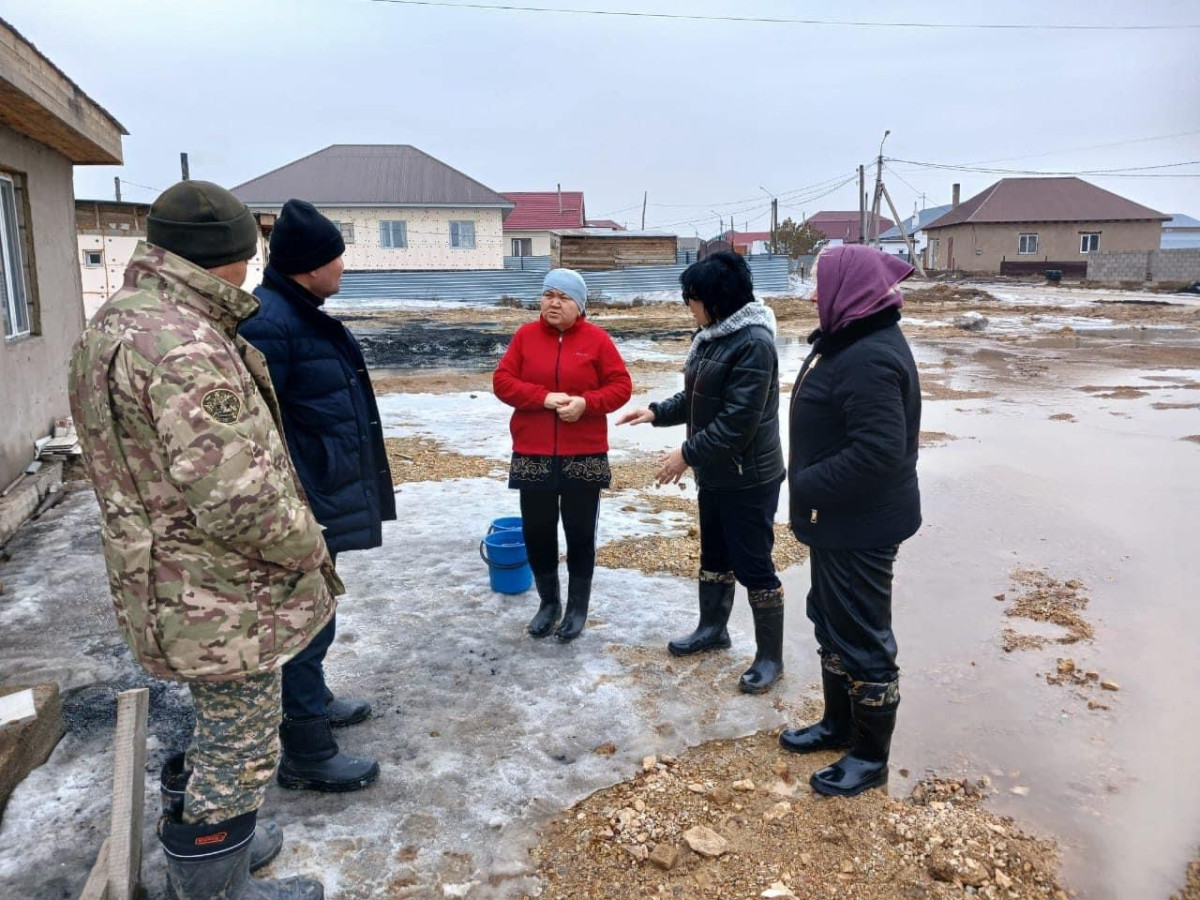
107 232
398 207
47 126
1022 226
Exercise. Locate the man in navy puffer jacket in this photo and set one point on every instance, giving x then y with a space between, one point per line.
331 423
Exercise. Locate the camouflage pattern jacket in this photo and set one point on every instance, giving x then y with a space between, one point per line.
217 568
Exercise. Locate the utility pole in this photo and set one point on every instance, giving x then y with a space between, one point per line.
862 205
774 216
645 196
873 225
117 185
183 165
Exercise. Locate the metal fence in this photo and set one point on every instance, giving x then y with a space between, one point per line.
490 285
528 263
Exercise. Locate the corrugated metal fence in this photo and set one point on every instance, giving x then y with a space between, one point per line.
489 285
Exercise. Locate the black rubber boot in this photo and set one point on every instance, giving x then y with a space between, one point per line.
866 765
268 837
767 607
716 603
547 615
344 711
833 732
579 594
212 862
312 761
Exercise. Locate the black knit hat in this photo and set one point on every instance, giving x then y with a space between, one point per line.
203 223
303 239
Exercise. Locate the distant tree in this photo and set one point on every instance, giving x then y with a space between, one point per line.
796 240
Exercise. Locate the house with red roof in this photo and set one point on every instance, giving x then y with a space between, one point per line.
845 227
1022 226
535 214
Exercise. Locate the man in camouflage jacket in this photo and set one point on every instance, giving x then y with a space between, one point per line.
217 567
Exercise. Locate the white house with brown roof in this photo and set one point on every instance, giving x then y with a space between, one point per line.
398 207
1022 226
47 126
535 214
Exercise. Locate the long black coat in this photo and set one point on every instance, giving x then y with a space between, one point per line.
329 411
855 426
730 402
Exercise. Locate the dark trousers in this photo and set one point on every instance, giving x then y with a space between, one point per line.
737 533
540 511
303 690
850 604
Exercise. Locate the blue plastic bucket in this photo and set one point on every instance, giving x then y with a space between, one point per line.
503 549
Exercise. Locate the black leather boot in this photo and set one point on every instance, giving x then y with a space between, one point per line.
212 862
716 603
767 607
579 593
345 711
312 761
173 780
548 612
834 730
866 765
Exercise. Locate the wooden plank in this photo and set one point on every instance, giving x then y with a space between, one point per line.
96 887
129 791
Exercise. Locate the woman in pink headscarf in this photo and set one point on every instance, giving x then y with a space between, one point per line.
855 423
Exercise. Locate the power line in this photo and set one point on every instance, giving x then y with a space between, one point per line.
785 20
1141 140
1126 172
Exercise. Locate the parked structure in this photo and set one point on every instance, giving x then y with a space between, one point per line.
748 243
598 249
107 232
536 214
398 207
1180 232
892 241
1022 226
844 227
47 125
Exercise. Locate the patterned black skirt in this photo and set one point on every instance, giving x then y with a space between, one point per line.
587 472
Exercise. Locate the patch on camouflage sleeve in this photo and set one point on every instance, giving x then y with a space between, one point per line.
222 406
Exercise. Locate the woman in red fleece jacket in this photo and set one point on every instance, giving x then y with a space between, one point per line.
562 375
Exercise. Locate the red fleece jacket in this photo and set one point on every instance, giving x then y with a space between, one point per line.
581 361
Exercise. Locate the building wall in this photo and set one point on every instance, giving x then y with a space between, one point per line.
33 368
428 231
1155 265
101 282
541 242
981 248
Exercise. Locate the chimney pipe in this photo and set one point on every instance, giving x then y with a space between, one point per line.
560 199
954 196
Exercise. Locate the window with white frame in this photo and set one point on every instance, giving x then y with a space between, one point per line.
93 259
1089 242
1027 244
14 291
393 235
522 246
347 230
462 235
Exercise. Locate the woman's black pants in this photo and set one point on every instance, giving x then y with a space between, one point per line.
850 604
540 511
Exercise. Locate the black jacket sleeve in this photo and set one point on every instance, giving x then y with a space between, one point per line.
872 406
672 411
743 402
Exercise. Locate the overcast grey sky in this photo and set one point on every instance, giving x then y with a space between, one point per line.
700 114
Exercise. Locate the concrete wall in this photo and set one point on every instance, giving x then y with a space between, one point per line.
33 368
981 248
428 231
101 282
541 242
1153 265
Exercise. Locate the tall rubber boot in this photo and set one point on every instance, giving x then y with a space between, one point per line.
312 761
345 711
548 612
873 707
715 591
173 780
212 862
834 730
767 607
579 594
